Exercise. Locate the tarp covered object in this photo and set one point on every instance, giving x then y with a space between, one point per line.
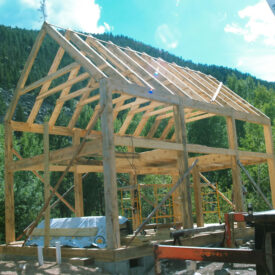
83 222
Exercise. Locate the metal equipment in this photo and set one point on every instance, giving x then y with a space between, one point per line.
263 255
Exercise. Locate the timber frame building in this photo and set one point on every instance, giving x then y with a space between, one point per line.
116 79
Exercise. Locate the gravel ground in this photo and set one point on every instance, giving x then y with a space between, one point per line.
26 267
205 268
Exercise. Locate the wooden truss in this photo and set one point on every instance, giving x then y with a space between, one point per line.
118 80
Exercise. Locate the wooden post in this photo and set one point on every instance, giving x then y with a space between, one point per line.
46 184
78 191
109 166
9 193
134 196
270 162
134 201
236 173
197 196
177 202
181 136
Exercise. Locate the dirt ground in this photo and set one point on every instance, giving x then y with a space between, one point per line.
29 267
205 268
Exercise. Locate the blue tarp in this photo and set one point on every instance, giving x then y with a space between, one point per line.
83 222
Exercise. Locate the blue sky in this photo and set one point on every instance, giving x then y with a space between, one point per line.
232 33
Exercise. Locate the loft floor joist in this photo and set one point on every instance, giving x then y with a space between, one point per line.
140 91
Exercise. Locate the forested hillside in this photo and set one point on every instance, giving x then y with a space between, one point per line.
15 45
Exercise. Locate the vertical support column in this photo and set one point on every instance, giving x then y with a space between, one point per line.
9 193
78 190
46 184
181 137
177 202
109 167
134 196
271 161
197 196
236 173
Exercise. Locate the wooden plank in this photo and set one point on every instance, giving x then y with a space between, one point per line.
96 57
65 91
25 73
270 162
123 67
167 129
236 173
74 52
9 189
185 192
78 190
214 188
110 185
67 232
50 77
47 214
152 71
64 85
172 77
198 196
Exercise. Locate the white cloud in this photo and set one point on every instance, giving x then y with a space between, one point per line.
167 37
259 64
35 4
81 15
260 25
177 3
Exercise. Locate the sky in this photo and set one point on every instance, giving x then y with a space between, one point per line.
232 33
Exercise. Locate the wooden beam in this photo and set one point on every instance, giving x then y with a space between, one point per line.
197 196
270 162
181 136
109 165
25 73
96 57
42 179
74 53
65 91
78 191
46 184
123 67
50 77
64 85
45 86
162 96
236 173
91 147
177 202
9 191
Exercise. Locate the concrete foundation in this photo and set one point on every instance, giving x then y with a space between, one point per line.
144 265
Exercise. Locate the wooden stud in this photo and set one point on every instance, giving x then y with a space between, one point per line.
109 165
236 173
270 161
181 136
9 192
46 184
197 196
78 191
